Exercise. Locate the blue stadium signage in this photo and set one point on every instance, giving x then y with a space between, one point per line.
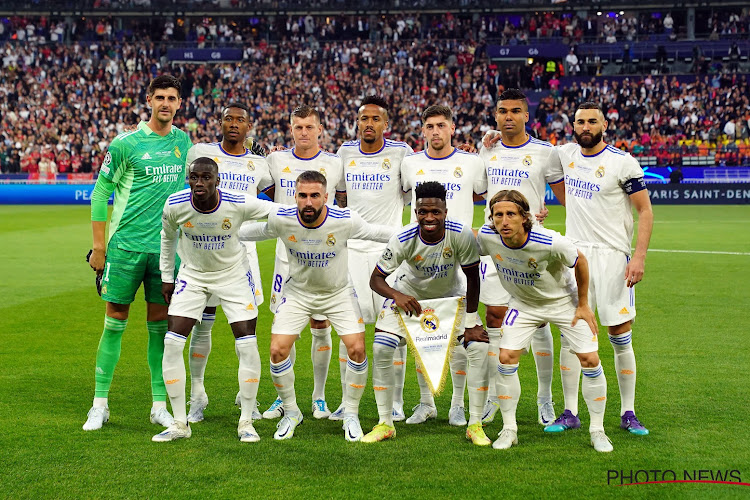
699 194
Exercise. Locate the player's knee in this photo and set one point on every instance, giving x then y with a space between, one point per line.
508 357
495 315
279 352
619 329
319 324
356 351
588 359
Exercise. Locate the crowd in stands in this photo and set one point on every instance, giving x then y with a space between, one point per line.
569 28
62 104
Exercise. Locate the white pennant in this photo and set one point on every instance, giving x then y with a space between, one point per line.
432 336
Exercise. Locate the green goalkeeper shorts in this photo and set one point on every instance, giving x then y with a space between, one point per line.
124 271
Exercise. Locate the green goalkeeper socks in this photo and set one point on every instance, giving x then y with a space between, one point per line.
108 354
156 332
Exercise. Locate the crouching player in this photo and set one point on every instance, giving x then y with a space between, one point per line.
315 239
533 267
432 251
204 221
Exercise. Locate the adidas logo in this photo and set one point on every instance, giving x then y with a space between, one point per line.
418 258
497 256
420 172
572 164
287 170
360 321
146 156
624 310
250 307
292 239
494 158
353 164
252 381
188 224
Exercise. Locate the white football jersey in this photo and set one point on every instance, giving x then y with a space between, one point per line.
597 204
431 270
246 174
285 167
527 168
462 174
539 272
318 258
372 182
209 248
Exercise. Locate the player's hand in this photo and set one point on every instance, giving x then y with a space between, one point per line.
585 313
490 138
634 271
407 303
543 213
475 334
167 289
468 148
96 260
278 148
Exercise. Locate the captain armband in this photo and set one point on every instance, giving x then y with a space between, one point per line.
634 185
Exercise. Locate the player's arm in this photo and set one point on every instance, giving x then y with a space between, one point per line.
405 302
558 189
636 267
270 192
490 138
583 311
473 330
341 198
99 200
374 232
170 234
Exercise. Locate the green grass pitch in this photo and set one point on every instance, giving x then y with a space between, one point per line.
690 339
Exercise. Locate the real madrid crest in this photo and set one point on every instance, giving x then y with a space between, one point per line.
447 253
331 240
226 225
429 321
458 173
250 165
323 171
532 263
177 152
386 164
599 172
526 160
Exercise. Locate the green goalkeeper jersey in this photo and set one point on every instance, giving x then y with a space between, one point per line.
145 168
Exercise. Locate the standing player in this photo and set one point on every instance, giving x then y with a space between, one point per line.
533 264
315 237
431 251
240 172
462 175
204 221
286 166
142 168
603 184
518 161
371 186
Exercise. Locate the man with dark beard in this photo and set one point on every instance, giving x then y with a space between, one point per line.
602 186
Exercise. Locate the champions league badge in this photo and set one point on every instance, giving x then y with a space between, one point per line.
386 165
599 172
532 263
429 320
526 161
331 240
250 165
447 253
226 225
458 173
387 255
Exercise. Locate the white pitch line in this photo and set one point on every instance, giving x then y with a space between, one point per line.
697 251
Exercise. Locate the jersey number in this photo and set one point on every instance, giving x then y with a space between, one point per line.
277 282
510 316
180 287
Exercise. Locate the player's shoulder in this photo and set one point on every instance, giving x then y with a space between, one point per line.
610 149
409 232
487 230
179 197
328 154
389 143
286 211
178 132
231 197
452 225
127 138
339 213
350 144
569 148
538 142
461 152
543 236
416 155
